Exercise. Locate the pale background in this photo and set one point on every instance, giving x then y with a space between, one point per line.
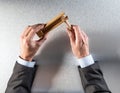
57 72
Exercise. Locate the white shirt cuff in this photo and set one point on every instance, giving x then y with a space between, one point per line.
25 63
85 61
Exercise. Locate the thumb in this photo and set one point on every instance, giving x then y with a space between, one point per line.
69 32
41 41
71 36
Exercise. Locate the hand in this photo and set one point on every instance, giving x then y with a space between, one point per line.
79 41
28 46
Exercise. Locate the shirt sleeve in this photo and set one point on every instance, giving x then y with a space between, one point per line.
85 61
25 63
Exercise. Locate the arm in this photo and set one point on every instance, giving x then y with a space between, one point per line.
21 79
24 69
92 79
91 75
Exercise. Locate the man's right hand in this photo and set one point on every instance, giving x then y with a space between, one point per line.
79 41
28 46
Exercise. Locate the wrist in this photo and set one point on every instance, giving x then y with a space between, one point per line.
26 58
82 55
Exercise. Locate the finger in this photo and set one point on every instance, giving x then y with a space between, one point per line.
71 35
25 32
76 30
34 26
39 27
85 37
34 29
38 24
78 34
41 41
31 34
46 35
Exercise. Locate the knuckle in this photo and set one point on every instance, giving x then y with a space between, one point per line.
28 26
27 40
32 28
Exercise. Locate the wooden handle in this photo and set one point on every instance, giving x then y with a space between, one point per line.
56 21
68 24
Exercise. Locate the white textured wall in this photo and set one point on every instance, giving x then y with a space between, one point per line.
57 73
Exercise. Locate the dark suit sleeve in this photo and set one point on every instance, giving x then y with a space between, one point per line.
21 79
92 79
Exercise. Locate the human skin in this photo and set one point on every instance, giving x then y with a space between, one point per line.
29 47
79 41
